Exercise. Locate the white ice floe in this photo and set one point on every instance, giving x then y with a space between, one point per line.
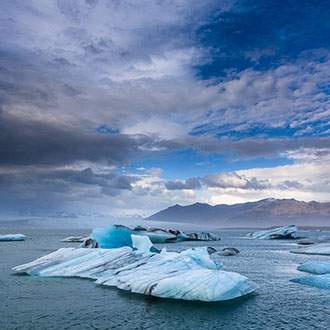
315 267
276 233
317 281
12 237
321 277
314 240
317 249
189 275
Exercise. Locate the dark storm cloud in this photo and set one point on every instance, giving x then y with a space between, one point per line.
62 182
45 190
27 142
88 177
27 80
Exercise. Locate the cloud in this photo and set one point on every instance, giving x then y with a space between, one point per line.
231 180
192 183
284 101
27 142
251 147
84 66
89 87
234 180
47 189
71 188
307 179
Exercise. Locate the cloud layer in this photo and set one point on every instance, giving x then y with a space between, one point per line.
89 88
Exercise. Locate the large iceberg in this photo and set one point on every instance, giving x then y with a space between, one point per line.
316 249
276 233
321 277
12 237
189 275
115 236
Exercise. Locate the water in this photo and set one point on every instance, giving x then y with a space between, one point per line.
52 303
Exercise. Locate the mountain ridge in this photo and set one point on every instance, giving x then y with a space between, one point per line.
264 212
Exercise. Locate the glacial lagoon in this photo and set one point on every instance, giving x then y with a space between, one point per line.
52 303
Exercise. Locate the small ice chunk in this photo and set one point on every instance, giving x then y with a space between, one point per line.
73 239
229 251
89 243
315 267
158 236
202 236
276 233
317 281
310 241
316 249
141 243
12 237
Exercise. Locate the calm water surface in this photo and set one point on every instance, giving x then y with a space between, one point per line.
47 303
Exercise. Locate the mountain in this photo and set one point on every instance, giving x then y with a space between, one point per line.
265 212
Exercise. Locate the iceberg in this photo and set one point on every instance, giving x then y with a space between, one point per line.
310 241
12 237
73 239
317 281
276 233
89 243
228 251
157 235
202 236
115 236
189 275
321 277
316 249
315 267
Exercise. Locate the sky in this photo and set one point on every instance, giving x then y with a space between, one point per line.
126 107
